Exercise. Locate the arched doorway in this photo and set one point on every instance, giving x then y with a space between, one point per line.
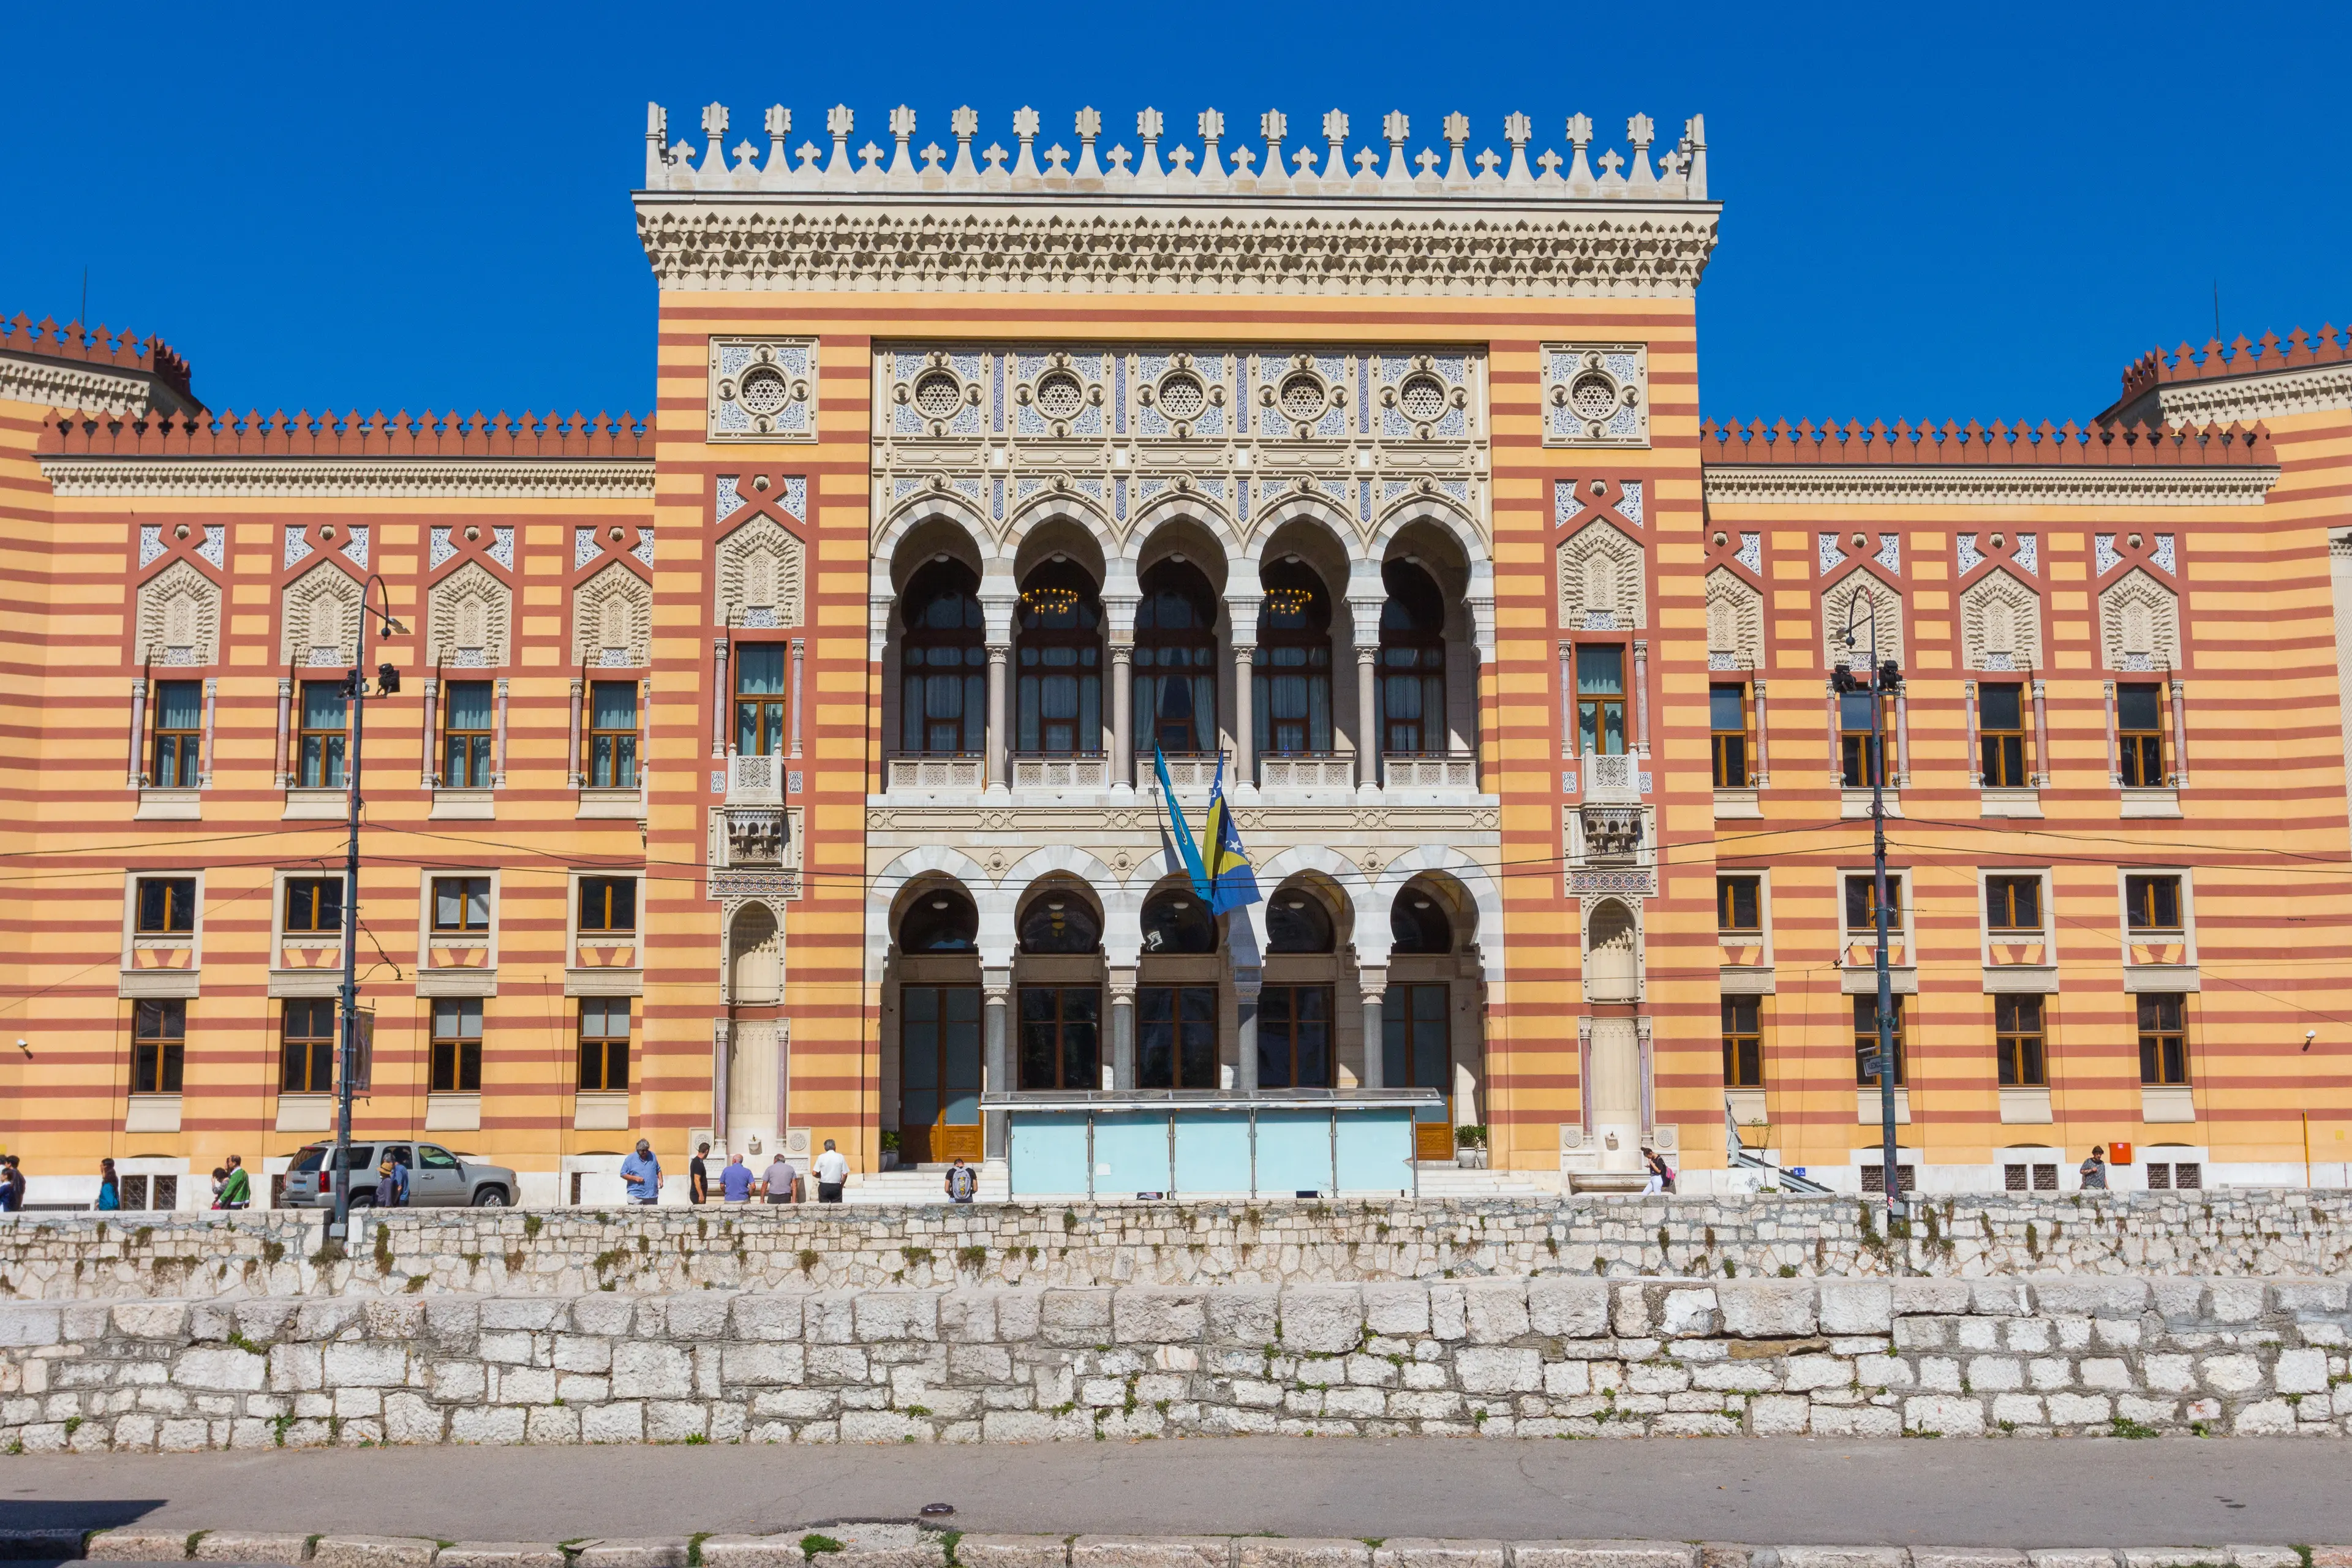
1417 1013
1058 664
938 1027
943 663
1290 697
1176 660
1412 664
755 1078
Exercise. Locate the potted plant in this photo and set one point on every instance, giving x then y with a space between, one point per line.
1470 1148
889 1148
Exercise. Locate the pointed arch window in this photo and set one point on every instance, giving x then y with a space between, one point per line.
943 662
1176 659
1059 656
1413 662
1290 681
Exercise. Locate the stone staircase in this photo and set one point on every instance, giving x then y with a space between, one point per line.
1450 1181
923 1184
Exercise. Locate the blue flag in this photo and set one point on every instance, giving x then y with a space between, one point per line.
1232 883
1176 839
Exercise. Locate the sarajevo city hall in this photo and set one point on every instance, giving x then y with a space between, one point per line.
794 763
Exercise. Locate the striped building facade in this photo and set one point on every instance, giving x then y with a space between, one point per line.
780 767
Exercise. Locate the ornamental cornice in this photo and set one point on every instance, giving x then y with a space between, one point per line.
489 478
1395 246
2269 396
53 386
1777 484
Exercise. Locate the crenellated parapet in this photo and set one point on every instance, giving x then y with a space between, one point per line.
2263 380
1226 218
43 362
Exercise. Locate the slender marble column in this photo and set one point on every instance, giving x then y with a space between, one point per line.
1372 982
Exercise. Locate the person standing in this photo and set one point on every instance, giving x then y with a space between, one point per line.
220 1180
391 1185
236 1192
2094 1171
962 1183
641 1175
735 1181
697 1176
779 1179
110 1188
1662 1175
832 1175
12 1185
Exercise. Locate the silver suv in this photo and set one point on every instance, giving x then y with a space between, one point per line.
437 1178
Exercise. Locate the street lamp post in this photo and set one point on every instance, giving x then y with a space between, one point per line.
1884 678
347 1064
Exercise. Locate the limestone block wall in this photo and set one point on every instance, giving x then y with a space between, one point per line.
2253 1233
1543 1357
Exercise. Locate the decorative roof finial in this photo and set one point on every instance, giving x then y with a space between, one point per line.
902 162
1026 176
1457 135
1272 127
1148 175
840 122
965 123
714 125
1517 129
1579 137
1396 128
1335 167
1088 175
1212 169
779 167
1641 130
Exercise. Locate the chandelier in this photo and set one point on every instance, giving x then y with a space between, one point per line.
1288 601
1049 600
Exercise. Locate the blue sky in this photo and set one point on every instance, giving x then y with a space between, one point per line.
1930 211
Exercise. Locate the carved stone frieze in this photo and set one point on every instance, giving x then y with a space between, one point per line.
1272 824
1799 485
1596 394
763 389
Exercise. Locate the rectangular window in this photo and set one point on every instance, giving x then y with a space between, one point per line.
2037 1178
612 734
466 728
2163 1043
1861 906
1294 1037
319 749
1726 708
1743 1043
604 1044
1061 1036
1861 756
458 1046
1865 1040
1600 698
461 904
2001 713
159 1044
2139 734
314 906
166 906
2178 1175
1874 1177
307 1062
759 699
1176 1036
608 906
2013 903
1739 905
2152 903
179 732
2018 1042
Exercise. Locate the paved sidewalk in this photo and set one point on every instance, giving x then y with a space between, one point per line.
2068 1491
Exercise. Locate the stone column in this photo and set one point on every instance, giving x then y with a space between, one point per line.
2040 774
1243 775
1641 698
1365 616
571 766
205 766
1373 981
1568 701
2180 733
799 651
1837 751
285 762
2114 764
499 779
1248 981
1976 751
998 767
996 1044
718 697
721 1046
1122 1028
1763 755
429 759
1903 737
1118 629
138 774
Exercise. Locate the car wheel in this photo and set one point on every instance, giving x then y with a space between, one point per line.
362 1203
490 1198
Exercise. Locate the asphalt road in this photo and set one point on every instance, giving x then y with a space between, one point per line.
2013 1492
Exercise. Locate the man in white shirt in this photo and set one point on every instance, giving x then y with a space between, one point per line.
832 1173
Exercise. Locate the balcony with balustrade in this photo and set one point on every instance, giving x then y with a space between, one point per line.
936 772
1406 774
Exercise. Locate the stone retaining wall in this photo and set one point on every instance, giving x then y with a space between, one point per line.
1566 1357
2249 1234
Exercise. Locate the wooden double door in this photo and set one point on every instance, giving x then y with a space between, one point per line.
1418 1053
939 1074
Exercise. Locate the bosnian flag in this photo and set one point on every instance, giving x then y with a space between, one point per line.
1176 841
1232 883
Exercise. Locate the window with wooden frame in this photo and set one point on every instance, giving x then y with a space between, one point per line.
2152 903
2013 903
1061 1036
1294 1037
1739 905
1600 698
1862 905
461 905
2163 1039
1865 1040
1726 708
1411 692
1861 758
179 733
604 1044
942 662
467 722
164 905
457 1044
2018 1043
314 906
1743 1042
2139 734
318 745
1175 661
305 1063
612 734
759 699
1176 1036
1057 661
2001 735
1290 679
608 907
159 1044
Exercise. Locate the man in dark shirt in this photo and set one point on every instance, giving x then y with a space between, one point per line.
697 1176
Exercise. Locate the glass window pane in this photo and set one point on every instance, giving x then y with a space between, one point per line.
759 669
616 705
2137 708
469 705
179 705
1599 670
2002 707
1853 712
1726 710
322 705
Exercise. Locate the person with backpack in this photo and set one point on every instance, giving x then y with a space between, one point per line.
1662 1175
963 1182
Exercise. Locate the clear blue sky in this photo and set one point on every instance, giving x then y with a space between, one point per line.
1930 210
